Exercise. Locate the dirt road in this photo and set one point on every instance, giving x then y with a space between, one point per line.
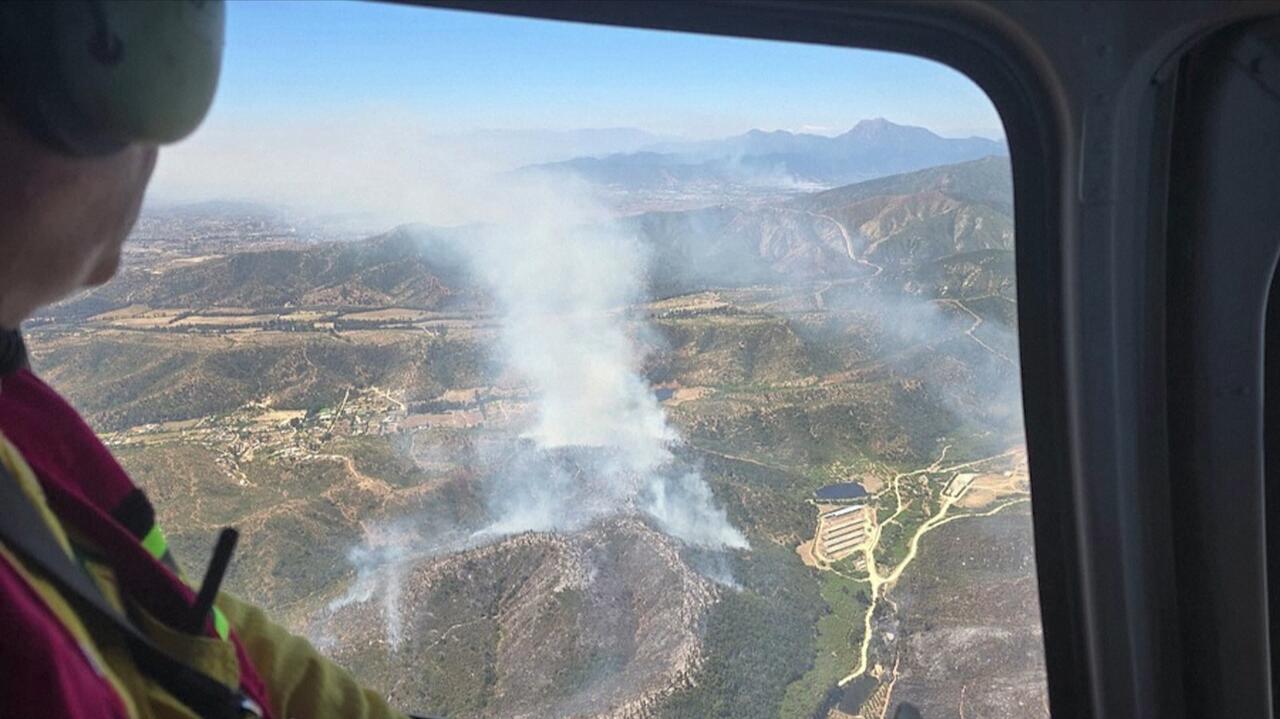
882 583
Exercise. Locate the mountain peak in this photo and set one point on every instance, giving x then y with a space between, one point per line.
877 127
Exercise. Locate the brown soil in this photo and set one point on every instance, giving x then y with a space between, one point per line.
987 488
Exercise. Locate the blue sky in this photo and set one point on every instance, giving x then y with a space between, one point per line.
363 104
458 71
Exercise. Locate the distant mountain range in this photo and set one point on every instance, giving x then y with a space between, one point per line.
917 229
872 148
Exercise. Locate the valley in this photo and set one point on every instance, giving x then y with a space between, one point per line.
343 405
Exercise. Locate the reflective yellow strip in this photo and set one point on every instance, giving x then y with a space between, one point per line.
66 616
154 542
220 624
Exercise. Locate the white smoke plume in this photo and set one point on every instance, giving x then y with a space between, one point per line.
564 278
558 264
380 561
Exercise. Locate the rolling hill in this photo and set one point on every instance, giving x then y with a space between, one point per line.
908 227
407 267
307 393
899 226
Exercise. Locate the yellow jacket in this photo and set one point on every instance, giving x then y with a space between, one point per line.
301 683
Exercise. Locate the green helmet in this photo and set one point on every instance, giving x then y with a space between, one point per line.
88 77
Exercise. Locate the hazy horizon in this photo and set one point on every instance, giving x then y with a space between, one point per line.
403 98
519 147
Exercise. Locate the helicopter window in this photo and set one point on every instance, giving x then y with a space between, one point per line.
555 369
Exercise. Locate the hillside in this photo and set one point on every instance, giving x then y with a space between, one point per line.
409 267
771 404
537 625
941 233
920 217
904 226
347 407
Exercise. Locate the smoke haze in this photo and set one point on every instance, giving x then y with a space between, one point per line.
563 280
562 273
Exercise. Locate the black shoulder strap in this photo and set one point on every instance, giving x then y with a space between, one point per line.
24 532
13 351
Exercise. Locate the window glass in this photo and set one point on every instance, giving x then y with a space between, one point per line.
563 370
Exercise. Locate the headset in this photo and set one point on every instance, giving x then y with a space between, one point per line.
90 77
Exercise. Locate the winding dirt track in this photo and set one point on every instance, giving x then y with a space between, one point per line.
848 244
852 254
977 322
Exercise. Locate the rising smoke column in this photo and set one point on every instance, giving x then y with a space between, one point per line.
563 278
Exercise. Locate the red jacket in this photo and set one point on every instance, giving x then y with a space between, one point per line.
92 496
